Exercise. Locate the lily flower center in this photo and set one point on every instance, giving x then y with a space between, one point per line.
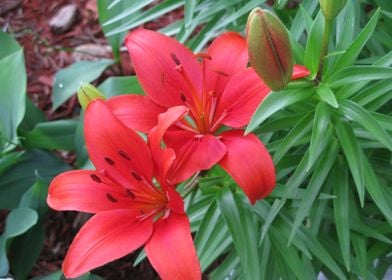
202 105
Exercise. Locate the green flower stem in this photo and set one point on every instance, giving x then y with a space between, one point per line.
324 45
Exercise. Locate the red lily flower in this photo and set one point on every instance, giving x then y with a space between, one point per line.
218 90
130 210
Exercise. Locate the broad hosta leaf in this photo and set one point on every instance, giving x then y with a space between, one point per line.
352 152
341 209
18 221
327 95
120 85
242 231
13 81
52 135
19 177
358 114
68 80
274 102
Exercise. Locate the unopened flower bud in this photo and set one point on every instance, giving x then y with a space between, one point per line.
88 93
269 48
331 8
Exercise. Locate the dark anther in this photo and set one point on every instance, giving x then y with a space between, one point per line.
111 198
183 98
130 193
221 73
95 178
136 175
175 59
124 155
109 161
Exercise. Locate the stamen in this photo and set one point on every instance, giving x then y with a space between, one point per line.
183 98
111 197
180 68
218 121
175 59
136 175
203 56
124 155
130 193
221 73
95 178
109 161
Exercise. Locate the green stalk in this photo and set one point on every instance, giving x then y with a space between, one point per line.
324 45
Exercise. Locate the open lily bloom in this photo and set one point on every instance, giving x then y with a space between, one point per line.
219 92
130 208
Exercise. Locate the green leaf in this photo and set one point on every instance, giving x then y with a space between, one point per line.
320 124
327 95
120 85
68 80
357 45
242 231
13 82
21 176
293 137
313 45
373 92
352 152
18 221
52 135
321 171
341 209
274 102
358 114
357 74
32 117
359 245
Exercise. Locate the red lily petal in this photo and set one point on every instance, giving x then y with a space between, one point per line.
299 72
164 158
155 57
229 55
105 237
114 148
242 95
249 163
171 251
193 153
135 111
86 191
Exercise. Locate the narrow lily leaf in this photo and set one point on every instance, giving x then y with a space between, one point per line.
355 112
68 80
242 232
359 244
189 11
298 25
320 123
376 190
352 152
327 95
18 221
341 209
322 169
356 74
357 45
274 102
313 46
373 92
295 134
228 269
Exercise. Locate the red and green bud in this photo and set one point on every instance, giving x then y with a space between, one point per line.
331 8
88 93
269 49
